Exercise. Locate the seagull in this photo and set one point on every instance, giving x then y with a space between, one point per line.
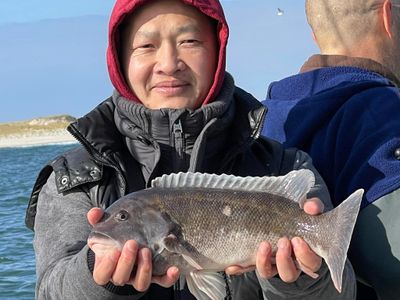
280 12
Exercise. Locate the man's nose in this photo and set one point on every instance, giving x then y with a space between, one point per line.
168 60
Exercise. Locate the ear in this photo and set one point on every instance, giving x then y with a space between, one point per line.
314 37
387 17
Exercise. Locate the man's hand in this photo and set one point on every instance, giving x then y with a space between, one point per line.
117 266
292 256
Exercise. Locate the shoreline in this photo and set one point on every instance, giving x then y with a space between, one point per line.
38 139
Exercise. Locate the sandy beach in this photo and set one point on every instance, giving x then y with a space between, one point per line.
35 132
37 139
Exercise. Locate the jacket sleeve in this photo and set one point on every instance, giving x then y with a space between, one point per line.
61 231
306 287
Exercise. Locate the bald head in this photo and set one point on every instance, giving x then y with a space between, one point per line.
362 28
343 23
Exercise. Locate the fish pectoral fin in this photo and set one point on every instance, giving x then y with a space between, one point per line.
192 262
172 244
207 285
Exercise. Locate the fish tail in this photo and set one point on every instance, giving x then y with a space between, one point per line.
341 224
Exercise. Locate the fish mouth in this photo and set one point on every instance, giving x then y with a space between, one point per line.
104 239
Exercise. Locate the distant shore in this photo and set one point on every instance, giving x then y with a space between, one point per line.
45 138
39 131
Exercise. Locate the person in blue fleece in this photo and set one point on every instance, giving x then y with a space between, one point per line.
343 108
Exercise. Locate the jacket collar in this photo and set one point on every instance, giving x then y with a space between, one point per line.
132 118
321 73
173 140
98 133
323 61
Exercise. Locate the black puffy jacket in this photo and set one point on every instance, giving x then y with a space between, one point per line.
104 168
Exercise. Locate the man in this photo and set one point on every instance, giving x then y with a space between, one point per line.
174 109
343 109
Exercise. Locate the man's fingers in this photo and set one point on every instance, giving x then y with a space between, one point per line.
233 270
264 266
313 206
307 258
125 263
284 261
168 279
237 270
104 267
142 279
94 215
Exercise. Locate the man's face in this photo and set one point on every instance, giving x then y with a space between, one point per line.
170 55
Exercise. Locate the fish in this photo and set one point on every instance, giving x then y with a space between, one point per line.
203 223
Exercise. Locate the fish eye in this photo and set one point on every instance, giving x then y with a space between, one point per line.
123 215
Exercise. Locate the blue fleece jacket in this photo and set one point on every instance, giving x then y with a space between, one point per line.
348 120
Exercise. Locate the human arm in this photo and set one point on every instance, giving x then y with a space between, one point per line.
376 234
62 255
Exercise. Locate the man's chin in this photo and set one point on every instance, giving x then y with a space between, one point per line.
174 102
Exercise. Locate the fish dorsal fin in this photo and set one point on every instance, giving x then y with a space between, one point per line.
294 185
207 285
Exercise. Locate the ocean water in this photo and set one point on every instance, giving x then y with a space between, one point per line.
19 168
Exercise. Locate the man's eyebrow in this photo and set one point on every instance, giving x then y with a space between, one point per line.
180 30
190 28
146 34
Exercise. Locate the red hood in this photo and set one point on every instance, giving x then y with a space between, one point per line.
123 8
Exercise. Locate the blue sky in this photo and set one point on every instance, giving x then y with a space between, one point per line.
52 53
34 10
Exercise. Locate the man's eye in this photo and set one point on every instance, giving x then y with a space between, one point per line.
190 42
143 47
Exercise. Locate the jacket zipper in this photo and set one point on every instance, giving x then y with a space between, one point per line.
179 139
259 126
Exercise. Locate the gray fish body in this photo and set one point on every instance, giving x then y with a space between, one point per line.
227 227
200 226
